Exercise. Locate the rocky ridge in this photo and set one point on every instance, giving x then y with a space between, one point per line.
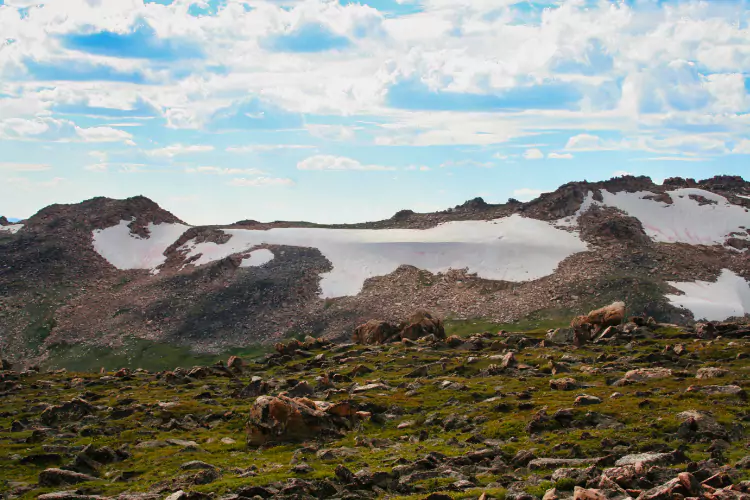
57 292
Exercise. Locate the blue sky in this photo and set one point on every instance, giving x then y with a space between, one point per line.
343 111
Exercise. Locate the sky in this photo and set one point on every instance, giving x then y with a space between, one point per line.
341 111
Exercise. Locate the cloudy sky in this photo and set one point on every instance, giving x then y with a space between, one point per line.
336 111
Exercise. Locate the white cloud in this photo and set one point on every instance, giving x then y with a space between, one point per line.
179 149
23 167
533 154
122 167
258 148
331 132
261 181
329 162
586 142
560 156
526 194
104 134
99 155
674 158
742 147
97 167
225 171
467 163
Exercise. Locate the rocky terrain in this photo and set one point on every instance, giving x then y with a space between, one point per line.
640 410
114 282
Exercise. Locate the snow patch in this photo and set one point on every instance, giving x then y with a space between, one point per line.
12 228
512 249
728 296
743 196
125 250
684 220
257 258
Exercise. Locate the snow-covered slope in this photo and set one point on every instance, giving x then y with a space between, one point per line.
688 219
125 250
729 296
512 249
12 228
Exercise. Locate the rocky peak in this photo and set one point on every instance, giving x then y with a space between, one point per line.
100 213
477 203
4 221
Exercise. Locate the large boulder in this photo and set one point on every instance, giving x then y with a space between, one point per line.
296 419
597 320
421 324
69 411
374 332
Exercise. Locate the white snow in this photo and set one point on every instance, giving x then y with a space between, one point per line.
125 250
257 258
513 249
729 296
12 228
743 196
683 221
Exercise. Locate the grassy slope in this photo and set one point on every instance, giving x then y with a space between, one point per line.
649 425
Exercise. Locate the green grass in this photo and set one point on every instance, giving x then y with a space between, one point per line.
138 353
455 421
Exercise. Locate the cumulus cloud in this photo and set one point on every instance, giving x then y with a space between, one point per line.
560 156
533 154
261 181
329 162
23 167
105 134
225 171
179 149
259 148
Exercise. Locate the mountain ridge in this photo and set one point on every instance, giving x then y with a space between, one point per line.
111 269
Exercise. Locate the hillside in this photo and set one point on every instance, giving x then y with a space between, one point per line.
80 282
649 412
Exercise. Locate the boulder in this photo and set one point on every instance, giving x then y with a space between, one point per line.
700 425
585 399
641 374
421 324
599 319
72 410
588 494
563 384
711 372
294 419
374 332
733 390
60 477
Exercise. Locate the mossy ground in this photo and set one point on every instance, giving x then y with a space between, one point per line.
647 411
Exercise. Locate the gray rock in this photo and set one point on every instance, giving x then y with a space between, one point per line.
645 458
60 477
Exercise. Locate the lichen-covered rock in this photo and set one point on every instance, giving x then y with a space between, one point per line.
374 332
60 477
71 410
711 372
563 384
422 324
287 419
